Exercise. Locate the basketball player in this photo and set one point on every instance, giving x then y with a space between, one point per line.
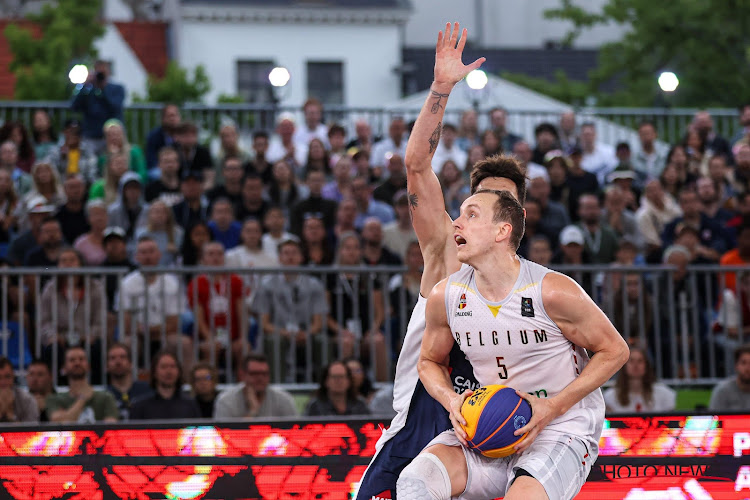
526 327
419 417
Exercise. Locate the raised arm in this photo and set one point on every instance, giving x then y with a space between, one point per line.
431 223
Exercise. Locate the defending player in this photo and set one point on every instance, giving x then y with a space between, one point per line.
419 417
521 325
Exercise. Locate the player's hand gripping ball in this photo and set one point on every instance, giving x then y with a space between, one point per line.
493 413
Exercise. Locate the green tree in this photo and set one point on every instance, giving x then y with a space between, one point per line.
562 88
41 64
705 43
177 86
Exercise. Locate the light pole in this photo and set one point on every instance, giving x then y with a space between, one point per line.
477 81
668 83
279 78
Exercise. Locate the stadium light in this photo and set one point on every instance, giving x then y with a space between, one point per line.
477 79
279 76
668 81
78 74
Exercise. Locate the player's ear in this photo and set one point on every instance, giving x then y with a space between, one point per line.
503 231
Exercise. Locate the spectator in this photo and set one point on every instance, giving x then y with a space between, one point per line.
367 206
28 240
337 142
107 188
341 185
8 206
373 251
678 157
121 385
98 100
698 155
403 292
601 240
598 158
163 135
284 190
73 214
557 165
116 143
554 217
399 234
632 301
636 389
362 383
657 210
71 312
291 308
713 238
345 217
314 127
540 250
733 394
160 227
50 243
230 147
649 159
522 152
275 224
73 157
39 383
498 120
468 130
362 167
217 303
317 248
318 159
394 144
115 249
42 133
260 164
193 156
710 204
203 381
448 149
192 245
364 138
253 204
129 211
670 180
282 146
229 185
532 228
9 162
567 131
579 181
194 207
491 143
44 183
714 143
16 132
476 154
250 253
81 404
151 304
739 256
313 204
224 228
336 395
359 315
572 244
546 138
722 177
395 182
254 397
16 405
167 402
616 216
167 186
91 244
744 131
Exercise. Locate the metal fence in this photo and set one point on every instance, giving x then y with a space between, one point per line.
689 320
140 118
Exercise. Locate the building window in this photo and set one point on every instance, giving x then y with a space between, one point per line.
252 81
325 81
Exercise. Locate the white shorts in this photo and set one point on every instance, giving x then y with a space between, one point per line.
560 462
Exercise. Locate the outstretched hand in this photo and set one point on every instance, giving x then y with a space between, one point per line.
449 68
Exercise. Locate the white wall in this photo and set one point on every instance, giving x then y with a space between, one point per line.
505 23
117 10
127 68
368 52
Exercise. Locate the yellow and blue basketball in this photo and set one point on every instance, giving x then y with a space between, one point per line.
493 413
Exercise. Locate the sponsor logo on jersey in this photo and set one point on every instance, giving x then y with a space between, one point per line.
462 306
527 307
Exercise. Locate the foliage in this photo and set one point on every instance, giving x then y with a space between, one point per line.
563 89
707 44
229 99
41 64
177 86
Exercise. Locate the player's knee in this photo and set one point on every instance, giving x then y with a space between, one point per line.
425 478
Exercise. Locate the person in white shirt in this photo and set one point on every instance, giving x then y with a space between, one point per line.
282 145
275 223
250 253
598 158
395 143
313 127
648 158
636 390
447 149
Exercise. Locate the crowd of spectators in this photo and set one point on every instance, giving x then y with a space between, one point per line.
309 194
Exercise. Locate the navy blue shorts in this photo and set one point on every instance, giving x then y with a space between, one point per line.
379 482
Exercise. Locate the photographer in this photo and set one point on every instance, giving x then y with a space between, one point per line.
98 100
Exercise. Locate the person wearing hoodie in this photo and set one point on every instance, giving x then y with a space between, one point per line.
130 209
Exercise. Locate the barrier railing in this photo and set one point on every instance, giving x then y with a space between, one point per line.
689 320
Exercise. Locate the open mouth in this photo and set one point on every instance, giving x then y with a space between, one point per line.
460 241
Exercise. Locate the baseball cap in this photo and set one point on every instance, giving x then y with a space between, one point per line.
571 234
114 232
39 205
192 174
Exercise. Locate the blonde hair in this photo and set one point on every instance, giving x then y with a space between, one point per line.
57 185
111 185
169 225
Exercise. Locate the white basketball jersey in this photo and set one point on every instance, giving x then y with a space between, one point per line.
515 343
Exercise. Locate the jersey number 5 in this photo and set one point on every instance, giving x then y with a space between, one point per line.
503 373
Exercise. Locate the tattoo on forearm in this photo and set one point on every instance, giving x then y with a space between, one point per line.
436 105
413 200
435 137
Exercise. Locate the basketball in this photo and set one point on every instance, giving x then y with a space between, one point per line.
493 413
